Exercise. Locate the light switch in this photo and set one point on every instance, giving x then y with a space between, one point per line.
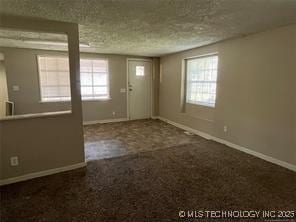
16 88
122 90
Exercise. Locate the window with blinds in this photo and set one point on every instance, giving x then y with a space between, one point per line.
54 78
201 74
94 79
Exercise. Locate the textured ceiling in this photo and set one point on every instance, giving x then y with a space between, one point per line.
157 27
21 39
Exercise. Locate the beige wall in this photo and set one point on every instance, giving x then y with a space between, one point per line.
22 70
155 87
93 110
102 110
255 93
44 143
294 59
3 90
1 153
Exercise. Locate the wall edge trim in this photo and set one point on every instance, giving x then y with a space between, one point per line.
43 173
232 145
85 123
155 117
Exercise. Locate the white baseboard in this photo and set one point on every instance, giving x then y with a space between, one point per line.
41 173
155 117
232 145
85 123
197 132
104 121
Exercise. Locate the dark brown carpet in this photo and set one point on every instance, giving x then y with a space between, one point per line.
130 137
154 186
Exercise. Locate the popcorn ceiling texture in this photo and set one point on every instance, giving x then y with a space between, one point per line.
14 38
157 27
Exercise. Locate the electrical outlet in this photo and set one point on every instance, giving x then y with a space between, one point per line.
113 113
14 161
225 129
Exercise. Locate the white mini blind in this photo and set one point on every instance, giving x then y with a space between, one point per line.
201 74
54 78
94 79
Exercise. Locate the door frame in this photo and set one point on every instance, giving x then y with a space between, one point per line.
127 87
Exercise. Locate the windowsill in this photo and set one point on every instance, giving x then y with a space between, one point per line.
36 115
83 100
202 104
95 100
57 101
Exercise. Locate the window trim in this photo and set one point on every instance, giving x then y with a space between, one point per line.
39 79
108 81
70 98
203 56
207 105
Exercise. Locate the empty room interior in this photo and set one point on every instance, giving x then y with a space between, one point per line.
155 110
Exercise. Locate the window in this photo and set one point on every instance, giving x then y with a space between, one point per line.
54 78
201 74
140 70
94 79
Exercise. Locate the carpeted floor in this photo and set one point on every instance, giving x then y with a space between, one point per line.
154 186
123 138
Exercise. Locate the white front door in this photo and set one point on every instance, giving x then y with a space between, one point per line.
139 89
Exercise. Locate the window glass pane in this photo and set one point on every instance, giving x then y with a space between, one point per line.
85 79
50 91
63 64
54 78
207 75
100 79
100 66
50 64
100 90
213 88
48 78
64 78
86 90
201 80
64 91
214 75
140 70
94 79
85 65
55 91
